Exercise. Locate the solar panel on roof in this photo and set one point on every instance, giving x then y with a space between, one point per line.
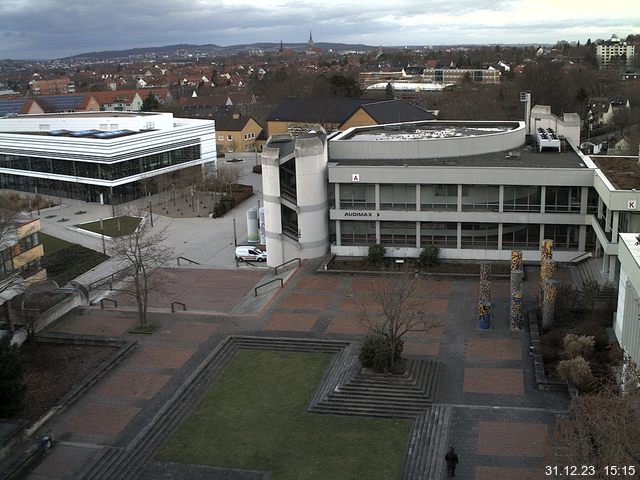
11 106
84 133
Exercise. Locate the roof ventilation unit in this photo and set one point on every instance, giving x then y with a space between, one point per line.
547 138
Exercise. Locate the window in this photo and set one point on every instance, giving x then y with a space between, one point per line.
398 234
357 233
565 237
230 138
521 198
520 236
562 199
481 197
357 196
398 197
221 137
444 234
480 235
439 197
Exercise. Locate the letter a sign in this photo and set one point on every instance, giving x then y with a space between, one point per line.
355 177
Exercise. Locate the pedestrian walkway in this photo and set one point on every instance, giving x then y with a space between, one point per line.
496 418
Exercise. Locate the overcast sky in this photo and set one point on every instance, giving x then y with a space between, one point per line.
57 28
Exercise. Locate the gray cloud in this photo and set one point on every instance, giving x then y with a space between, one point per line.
57 28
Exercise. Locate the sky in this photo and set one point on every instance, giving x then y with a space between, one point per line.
47 29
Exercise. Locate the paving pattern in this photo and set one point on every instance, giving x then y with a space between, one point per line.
496 417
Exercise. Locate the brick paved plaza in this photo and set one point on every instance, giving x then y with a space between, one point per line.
481 370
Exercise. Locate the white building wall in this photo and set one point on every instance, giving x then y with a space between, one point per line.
311 183
272 214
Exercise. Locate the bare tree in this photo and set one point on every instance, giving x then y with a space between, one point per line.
142 253
8 280
601 428
392 307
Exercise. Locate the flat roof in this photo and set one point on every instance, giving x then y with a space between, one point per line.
523 157
422 131
102 113
622 172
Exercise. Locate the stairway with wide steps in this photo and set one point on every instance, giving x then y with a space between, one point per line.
343 390
119 463
378 395
589 270
428 444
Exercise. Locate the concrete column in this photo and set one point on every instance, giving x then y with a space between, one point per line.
378 199
417 234
501 203
600 203
543 198
607 221
605 264
418 206
541 234
582 238
614 226
337 195
584 196
459 246
499 236
459 197
338 234
613 263
377 231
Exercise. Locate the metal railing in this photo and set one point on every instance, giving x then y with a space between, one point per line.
255 290
173 306
184 258
110 278
114 302
288 262
581 257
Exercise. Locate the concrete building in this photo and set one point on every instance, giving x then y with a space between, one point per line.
21 252
626 325
101 156
476 190
614 53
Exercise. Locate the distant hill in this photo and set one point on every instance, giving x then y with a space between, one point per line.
182 50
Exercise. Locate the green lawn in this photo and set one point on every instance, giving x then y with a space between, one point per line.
254 418
113 227
65 261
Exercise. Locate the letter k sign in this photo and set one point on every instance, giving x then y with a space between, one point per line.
631 204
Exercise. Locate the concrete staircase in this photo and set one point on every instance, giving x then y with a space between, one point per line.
428 444
343 390
348 391
589 270
121 463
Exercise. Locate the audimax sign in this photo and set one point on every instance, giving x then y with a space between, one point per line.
361 214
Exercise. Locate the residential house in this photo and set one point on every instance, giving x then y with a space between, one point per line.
52 87
235 133
119 100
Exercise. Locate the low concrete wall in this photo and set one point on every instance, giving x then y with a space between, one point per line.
60 309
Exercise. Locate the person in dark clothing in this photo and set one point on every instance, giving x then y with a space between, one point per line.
452 460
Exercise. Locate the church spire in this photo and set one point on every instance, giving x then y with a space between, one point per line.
310 43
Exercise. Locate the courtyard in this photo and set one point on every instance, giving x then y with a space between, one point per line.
254 405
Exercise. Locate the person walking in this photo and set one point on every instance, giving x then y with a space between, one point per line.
452 460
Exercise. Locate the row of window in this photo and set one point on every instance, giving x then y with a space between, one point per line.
516 198
247 136
445 235
104 171
7 255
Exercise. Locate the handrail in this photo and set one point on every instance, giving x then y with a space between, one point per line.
110 277
184 258
102 300
255 290
287 263
583 254
173 306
